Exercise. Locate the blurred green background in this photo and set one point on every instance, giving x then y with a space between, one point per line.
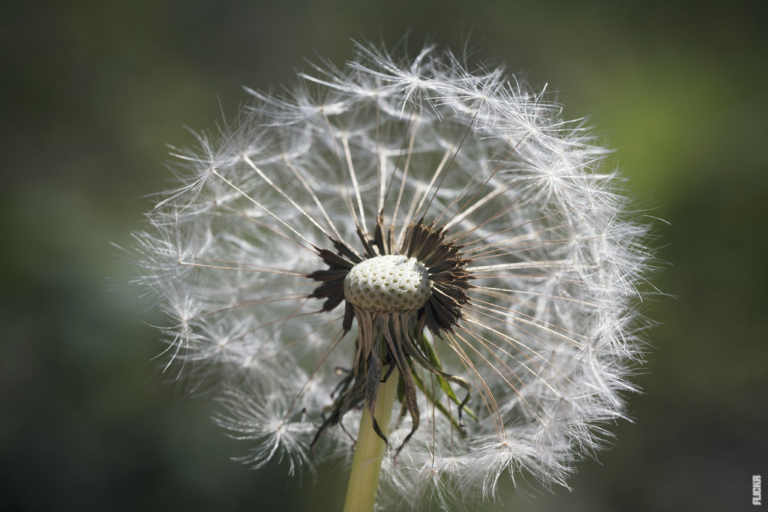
92 92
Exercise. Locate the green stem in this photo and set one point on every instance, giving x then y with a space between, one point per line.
370 450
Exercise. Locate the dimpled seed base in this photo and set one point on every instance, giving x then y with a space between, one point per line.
388 283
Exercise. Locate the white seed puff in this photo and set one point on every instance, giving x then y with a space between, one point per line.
453 211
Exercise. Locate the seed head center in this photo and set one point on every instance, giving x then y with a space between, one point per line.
388 284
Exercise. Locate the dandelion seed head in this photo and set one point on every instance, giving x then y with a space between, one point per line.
413 215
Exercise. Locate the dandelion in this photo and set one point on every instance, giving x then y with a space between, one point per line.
420 264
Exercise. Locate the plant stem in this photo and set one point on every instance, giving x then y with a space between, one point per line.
370 450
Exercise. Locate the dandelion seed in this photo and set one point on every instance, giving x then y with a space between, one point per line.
410 235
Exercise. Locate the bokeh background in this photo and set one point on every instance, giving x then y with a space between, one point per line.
92 91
